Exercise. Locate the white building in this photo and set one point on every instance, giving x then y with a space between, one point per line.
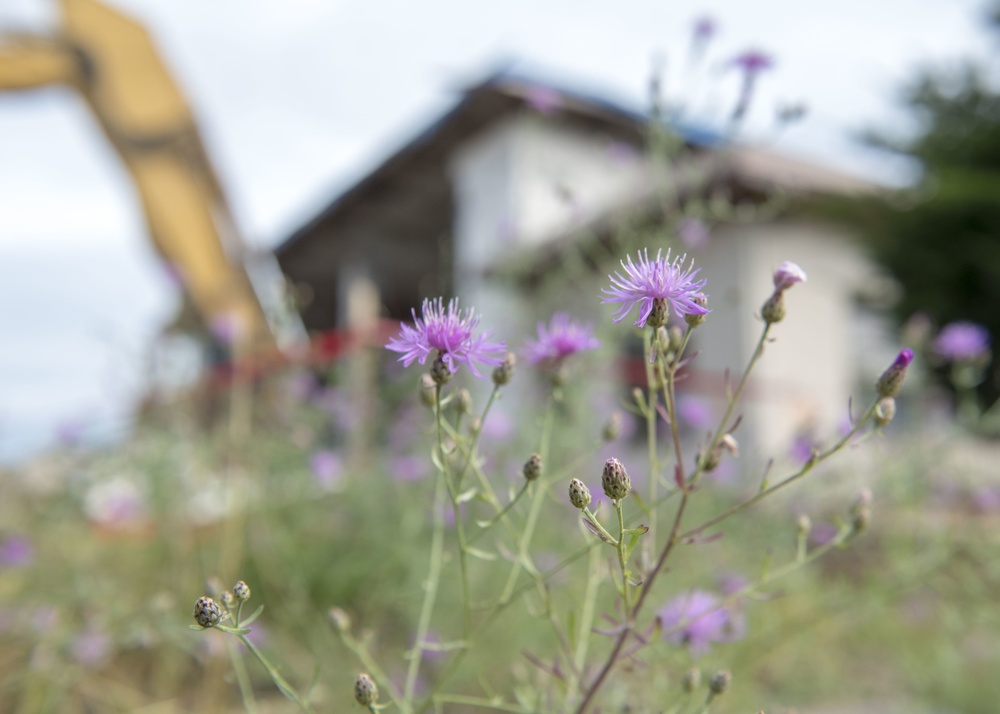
518 172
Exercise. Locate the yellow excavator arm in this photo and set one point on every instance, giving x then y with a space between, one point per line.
112 62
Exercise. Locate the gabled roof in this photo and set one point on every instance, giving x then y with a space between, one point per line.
506 92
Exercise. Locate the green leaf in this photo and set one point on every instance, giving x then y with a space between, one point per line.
253 616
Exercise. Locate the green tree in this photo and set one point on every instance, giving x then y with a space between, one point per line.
940 239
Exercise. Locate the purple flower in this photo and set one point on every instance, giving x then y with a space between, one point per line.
408 468
787 274
704 28
92 647
327 468
697 619
449 332
652 280
962 342
695 412
559 339
752 62
16 552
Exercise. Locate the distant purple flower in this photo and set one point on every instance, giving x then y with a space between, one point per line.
704 28
544 100
561 338
752 62
69 433
327 468
408 468
787 274
92 647
986 499
450 333
117 503
16 552
698 619
694 233
651 280
802 448
823 533
695 412
338 404
962 342
731 582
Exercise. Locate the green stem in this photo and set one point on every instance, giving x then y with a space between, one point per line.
276 677
654 467
242 678
622 564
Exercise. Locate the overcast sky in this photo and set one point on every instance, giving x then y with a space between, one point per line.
297 98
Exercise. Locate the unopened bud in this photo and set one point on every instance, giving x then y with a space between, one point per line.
463 401
613 429
241 591
440 372
691 680
720 681
774 309
659 314
885 411
694 319
676 338
340 620
207 612
804 525
228 600
428 390
861 511
579 494
475 425
710 461
532 467
365 691
662 340
505 372
891 381
615 480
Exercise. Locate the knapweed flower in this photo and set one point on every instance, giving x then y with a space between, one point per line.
451 333
697 619
962 342
787 274
752 62
16 552
655 285
561 338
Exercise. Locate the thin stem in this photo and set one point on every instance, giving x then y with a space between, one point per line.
433 569
654 467
242 678
481 703
276 677
622 563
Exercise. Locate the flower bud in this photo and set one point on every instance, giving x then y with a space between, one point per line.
804 525
463 401
475 425
659 314
615 480
505 372
440 372
691 680
228 600
207 612
340 620
579 494
694 320
710 461
885 410
720 681
365 690
787 274
662 340
427 390
532 467
774 309
676 338
613 429
861 511
891 381
241 591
